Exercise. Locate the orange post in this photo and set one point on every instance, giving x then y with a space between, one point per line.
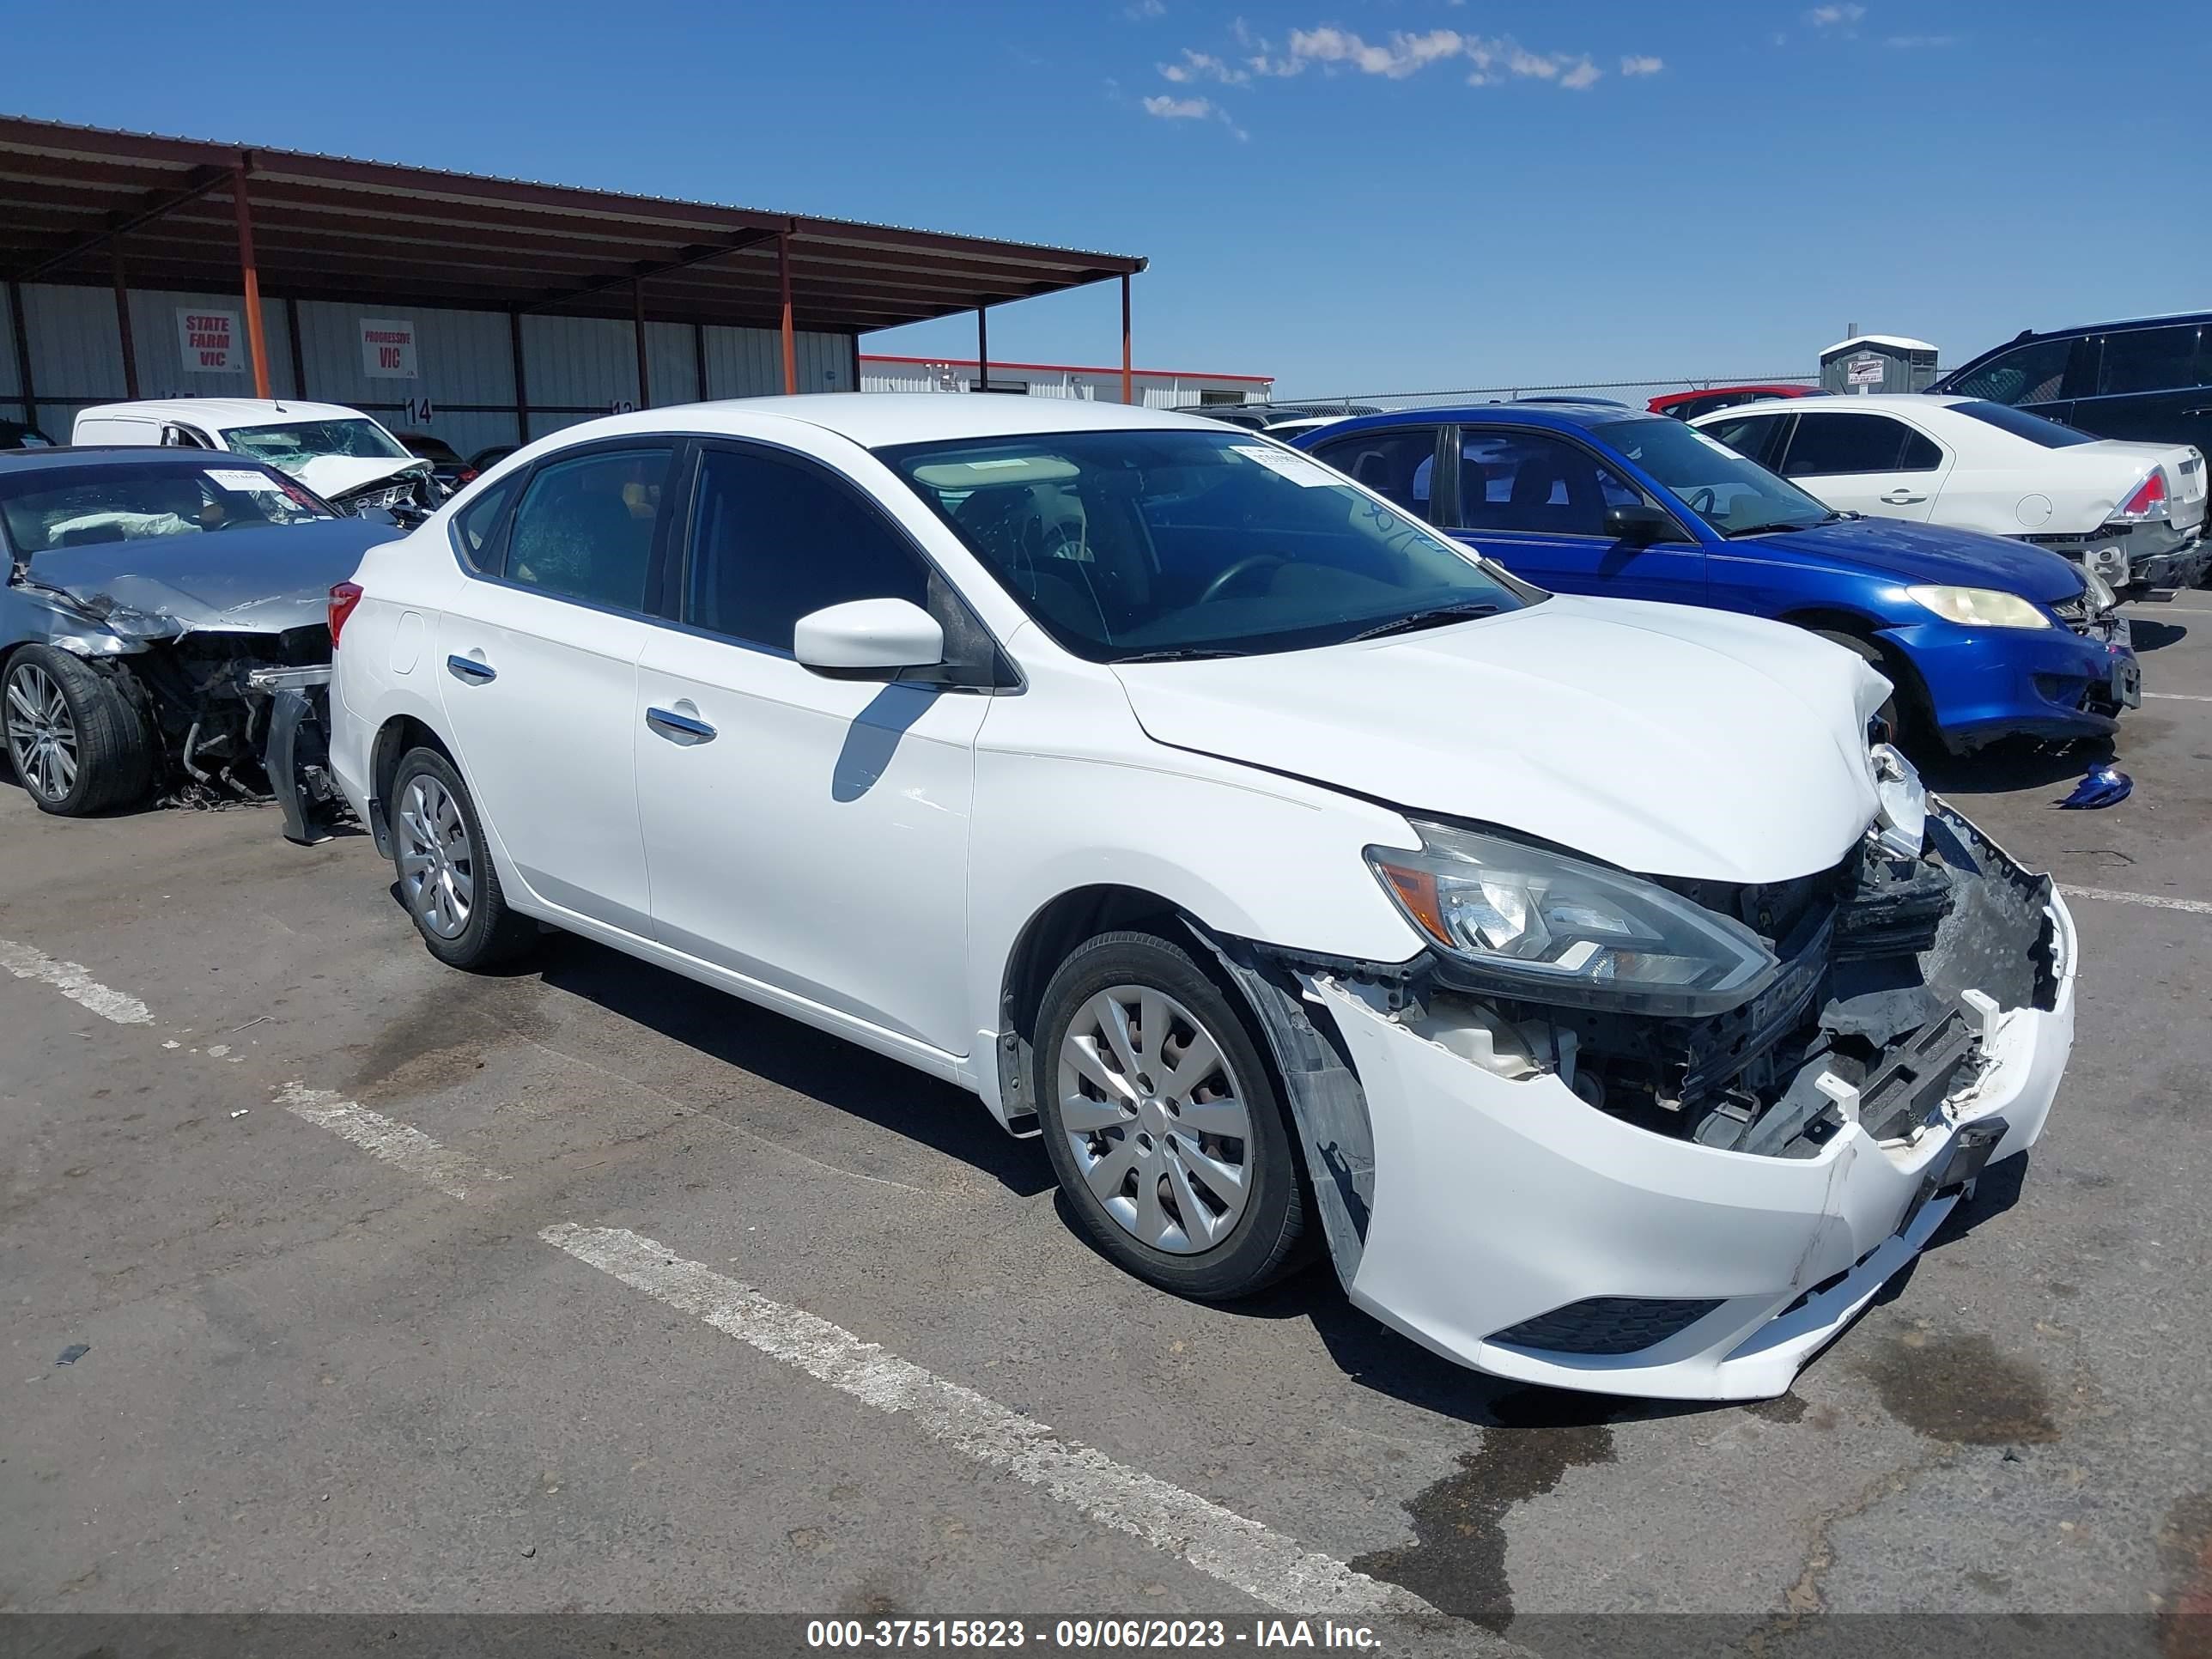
783 282
1128 377
255 342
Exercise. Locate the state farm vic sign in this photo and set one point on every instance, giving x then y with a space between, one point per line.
208 340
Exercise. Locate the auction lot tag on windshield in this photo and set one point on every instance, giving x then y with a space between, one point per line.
1297 468
232 478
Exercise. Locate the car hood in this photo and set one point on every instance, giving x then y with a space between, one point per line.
1659 738
261 580
1930 554
333 476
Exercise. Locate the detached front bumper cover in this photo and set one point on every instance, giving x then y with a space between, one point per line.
1509 1223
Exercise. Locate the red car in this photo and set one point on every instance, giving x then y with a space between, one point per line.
1686 405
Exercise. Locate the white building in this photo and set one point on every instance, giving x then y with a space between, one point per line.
1155 388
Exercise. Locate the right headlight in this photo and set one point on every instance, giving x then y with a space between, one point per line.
1979 607
1522 922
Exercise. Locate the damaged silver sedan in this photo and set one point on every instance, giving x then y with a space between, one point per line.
164 621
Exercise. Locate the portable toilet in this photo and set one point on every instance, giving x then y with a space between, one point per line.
1878 362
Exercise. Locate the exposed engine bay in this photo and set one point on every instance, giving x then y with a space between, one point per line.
1895 968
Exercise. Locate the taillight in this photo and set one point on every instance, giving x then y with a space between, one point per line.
2150 500
344 598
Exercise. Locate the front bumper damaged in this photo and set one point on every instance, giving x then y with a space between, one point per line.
1510 1223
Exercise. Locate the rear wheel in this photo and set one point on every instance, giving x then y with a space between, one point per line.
445 874
78 743
1162 1122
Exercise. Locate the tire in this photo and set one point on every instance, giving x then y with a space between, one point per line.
1895 711
447 877
1161 1134
78 743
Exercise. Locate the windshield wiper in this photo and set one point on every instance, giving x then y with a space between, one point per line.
1434 618
1178 653
1761 529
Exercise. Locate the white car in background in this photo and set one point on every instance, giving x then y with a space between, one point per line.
1572 971
2131 513
346 456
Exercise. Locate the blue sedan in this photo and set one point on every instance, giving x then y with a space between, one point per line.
1982 637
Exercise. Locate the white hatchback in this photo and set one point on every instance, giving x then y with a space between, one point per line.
1574 973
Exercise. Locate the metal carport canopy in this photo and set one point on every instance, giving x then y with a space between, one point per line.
329 228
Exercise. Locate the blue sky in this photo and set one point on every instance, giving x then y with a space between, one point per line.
1352 195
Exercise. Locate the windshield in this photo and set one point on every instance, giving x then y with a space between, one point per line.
85 506
1735 496
295 441
1136 544
2021 424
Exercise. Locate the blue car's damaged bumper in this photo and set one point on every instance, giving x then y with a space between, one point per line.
2051 683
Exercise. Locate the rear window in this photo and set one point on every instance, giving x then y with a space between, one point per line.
2021 424
87 506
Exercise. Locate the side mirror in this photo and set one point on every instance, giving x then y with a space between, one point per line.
1642 525
868 639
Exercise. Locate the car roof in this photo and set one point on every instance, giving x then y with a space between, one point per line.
13 461
1533 411
1908 401
220 412
876 419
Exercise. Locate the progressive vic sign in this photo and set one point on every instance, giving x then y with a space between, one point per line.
387 348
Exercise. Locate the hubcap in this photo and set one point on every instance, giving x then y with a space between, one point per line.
41 734
1156 1119
437 865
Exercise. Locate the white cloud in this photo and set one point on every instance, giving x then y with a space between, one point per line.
1581 76
1641 65
1828 17
1179 109
1141 9
1203 66
1401 56
1916 42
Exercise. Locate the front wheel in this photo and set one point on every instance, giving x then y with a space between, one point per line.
78 743
1162 1122
445 874
1892 711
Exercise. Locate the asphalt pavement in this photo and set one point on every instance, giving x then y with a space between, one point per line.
585 1289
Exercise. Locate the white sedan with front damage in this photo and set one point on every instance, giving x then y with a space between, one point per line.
1577 976
2131 513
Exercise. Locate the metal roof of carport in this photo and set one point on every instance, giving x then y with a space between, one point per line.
327 227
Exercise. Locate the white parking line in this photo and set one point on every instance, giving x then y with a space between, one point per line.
2175 697
452 1173
74 981
2154 901
1240 1552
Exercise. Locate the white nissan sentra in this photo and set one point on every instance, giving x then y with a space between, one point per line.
1587 979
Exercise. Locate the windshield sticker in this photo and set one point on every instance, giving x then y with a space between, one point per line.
260 484
998 466
1309 474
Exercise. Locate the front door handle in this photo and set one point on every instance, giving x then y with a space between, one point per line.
1903 498
469 672
678 728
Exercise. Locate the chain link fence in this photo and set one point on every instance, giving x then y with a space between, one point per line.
1635 393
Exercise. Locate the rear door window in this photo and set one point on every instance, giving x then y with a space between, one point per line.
1398 462
476 526
584 529
1835 444
2149 359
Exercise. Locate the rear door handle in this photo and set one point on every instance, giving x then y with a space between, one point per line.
469 671
678 728
1903 498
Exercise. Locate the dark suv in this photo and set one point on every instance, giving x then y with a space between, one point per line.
2150 379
